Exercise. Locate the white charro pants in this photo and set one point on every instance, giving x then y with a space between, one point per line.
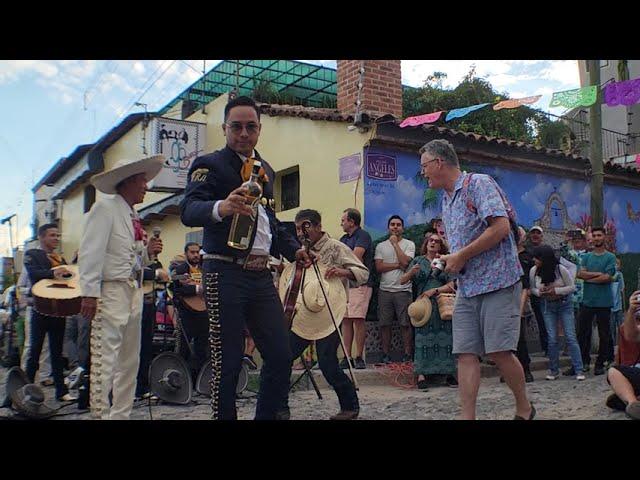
115 350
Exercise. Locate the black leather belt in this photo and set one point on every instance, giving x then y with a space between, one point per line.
250 262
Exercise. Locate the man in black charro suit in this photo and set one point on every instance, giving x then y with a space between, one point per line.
239 289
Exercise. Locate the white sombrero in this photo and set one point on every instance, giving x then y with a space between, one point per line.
106 181
312 320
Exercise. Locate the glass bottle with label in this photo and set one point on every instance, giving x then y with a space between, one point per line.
242 226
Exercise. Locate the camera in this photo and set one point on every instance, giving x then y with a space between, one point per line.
438 264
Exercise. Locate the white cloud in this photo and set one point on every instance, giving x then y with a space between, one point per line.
503 79
566 189
416 218
536 198
409 191
13 70
139 68
563 71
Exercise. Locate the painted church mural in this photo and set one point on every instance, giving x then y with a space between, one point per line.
557 204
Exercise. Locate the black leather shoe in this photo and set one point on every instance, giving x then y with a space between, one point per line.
614 402
345 415
598 371
528 377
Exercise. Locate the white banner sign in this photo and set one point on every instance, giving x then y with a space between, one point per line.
180 142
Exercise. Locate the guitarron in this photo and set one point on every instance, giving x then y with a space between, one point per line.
58 297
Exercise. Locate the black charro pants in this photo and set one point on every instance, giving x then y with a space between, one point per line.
146 347
54 326
237 298
328 360
195 326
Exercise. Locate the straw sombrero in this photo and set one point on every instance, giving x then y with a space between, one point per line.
420 312
312 320
106 181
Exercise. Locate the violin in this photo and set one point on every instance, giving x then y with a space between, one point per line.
297 279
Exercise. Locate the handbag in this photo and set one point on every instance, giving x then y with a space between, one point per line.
446 301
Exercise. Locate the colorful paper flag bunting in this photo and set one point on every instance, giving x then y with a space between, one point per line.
461 112
622 93
420 119
517 102
580 97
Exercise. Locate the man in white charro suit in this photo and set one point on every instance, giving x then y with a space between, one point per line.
111 260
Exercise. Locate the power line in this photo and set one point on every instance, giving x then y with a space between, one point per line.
150 86
132 100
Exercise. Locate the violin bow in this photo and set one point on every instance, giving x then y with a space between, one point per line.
316 269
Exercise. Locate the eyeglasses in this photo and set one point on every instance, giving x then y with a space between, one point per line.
237 127
435 240
424 165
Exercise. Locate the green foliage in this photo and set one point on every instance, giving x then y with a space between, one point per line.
265 91
523 124
7 280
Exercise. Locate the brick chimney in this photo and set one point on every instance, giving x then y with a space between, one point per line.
381 90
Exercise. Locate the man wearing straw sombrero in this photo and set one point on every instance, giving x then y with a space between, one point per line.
322 304
111 260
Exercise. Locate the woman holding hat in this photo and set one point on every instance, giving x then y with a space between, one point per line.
433 338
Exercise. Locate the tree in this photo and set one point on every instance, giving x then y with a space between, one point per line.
522 124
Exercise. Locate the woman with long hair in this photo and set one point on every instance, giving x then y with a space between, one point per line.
554 284
433 360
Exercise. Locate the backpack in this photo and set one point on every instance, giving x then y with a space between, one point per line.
511 213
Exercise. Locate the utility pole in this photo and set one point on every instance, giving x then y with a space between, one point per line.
595 154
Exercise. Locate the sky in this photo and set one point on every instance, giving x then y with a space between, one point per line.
50 107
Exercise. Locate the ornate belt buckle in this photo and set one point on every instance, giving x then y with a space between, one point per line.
255 263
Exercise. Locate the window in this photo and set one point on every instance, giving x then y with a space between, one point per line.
196 236
289 191
89 197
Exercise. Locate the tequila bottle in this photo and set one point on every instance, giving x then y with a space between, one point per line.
242 226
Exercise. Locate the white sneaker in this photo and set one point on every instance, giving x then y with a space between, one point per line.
73 379
552 377
580 377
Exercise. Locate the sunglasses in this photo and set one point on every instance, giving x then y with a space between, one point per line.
237 127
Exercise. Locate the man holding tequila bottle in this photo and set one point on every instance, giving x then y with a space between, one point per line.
241 231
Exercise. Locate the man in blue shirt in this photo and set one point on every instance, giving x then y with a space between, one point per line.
486 317
597 270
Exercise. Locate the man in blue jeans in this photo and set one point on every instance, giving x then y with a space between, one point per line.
597 270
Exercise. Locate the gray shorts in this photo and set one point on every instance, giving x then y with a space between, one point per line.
393 305
487 323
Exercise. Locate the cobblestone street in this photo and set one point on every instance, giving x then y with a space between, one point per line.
563 399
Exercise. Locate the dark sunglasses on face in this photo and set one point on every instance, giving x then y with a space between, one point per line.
237 127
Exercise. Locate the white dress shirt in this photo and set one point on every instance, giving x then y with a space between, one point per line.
262 242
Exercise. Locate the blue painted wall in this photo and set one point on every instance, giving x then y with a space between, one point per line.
527 191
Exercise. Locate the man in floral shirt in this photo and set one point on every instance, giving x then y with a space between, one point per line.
486 317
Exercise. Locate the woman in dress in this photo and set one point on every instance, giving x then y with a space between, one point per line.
433 360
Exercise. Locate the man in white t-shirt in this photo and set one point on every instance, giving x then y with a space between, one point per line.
392 258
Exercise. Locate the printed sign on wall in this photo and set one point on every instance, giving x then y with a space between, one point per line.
349 168
382 167
180 142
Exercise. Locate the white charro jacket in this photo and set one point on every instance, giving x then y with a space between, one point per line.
108 248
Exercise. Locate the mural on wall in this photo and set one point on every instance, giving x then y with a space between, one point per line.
555 203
